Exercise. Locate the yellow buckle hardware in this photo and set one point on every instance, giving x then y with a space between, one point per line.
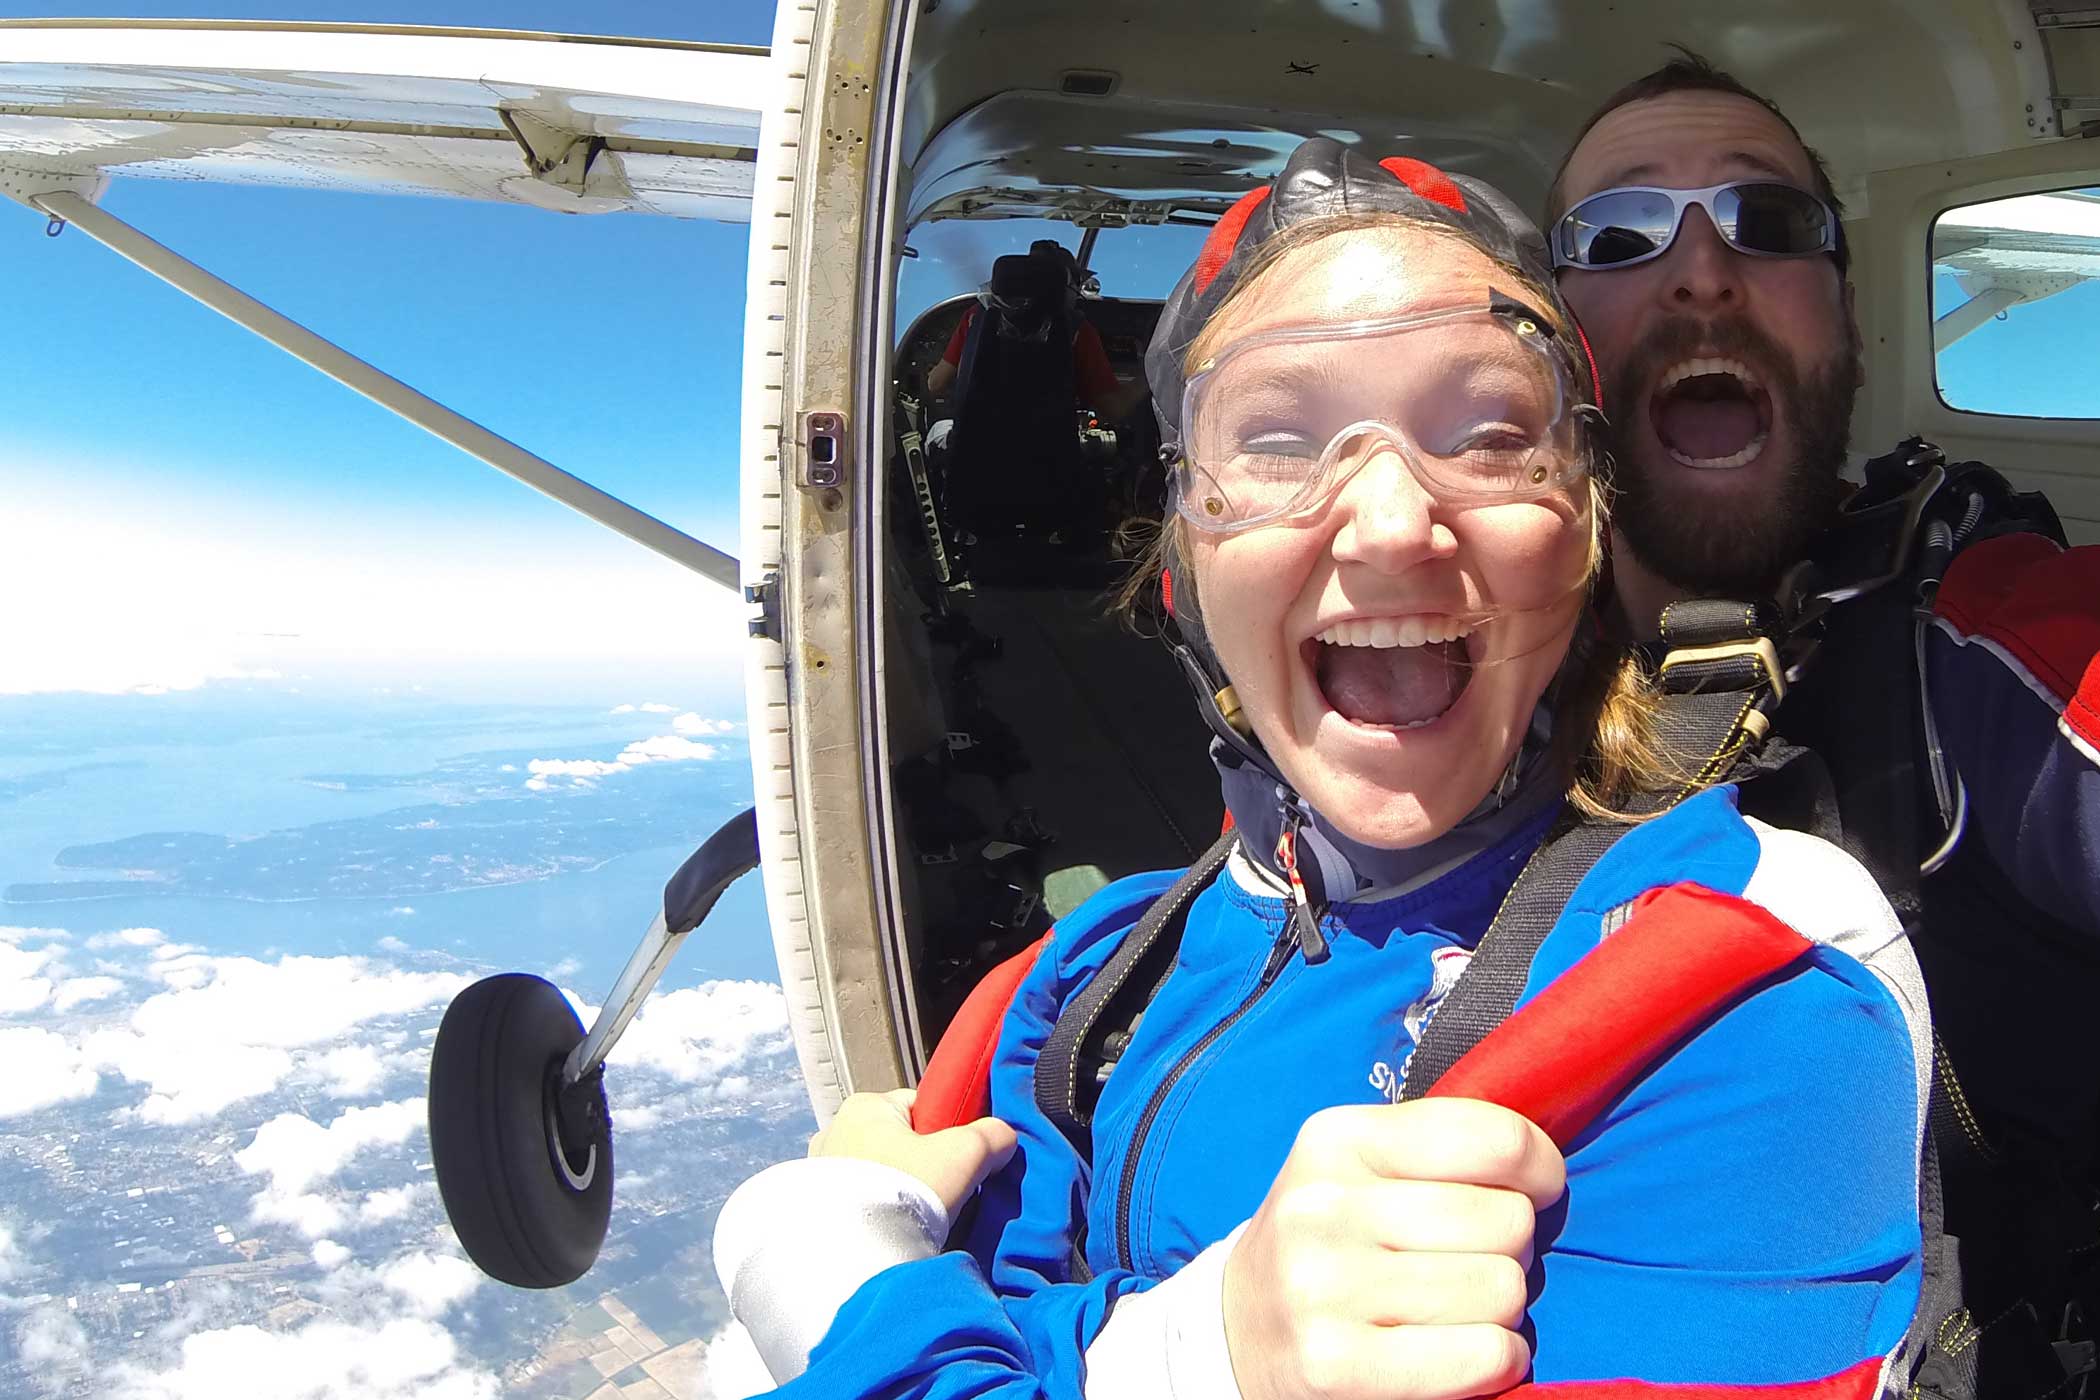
1762 648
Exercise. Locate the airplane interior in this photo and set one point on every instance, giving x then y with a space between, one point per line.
1042 739
1038 744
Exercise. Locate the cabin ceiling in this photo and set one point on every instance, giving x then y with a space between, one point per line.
1207 95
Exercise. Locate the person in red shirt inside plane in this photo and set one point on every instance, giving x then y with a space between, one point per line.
1094 380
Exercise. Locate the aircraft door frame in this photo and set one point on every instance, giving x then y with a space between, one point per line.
814 433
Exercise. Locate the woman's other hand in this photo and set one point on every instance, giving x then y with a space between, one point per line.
1389 1257
952 1163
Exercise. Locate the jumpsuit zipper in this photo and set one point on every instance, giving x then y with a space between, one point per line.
1279 954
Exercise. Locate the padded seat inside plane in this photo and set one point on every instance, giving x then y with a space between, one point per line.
1014 460
1066 752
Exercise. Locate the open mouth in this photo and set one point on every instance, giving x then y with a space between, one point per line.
1711 414
1392 673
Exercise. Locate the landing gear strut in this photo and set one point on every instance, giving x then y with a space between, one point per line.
520 1136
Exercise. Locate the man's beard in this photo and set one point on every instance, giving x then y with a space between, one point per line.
1716 548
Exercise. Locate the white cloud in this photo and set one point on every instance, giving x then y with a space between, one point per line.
166 600
311 1215
352 1071
663 748
623 709
298 1154
699 1034
401 1359
23 987
431 1283
129 938
656 707
17 933
190 1078
330 1255
53 1347
573 767
79 991
12 1261
226 1028
179 965
735 1370
690 723
392 1203
635 1120
42 1069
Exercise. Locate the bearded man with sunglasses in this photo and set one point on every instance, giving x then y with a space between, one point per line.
1697 237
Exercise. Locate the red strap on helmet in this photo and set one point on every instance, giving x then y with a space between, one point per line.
1166 590
1596 379
1426 180
1224 237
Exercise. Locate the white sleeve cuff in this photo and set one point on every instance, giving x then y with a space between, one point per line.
794 1242
1168 1341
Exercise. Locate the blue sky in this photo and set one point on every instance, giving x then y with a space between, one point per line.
163 458
2036 361
188 498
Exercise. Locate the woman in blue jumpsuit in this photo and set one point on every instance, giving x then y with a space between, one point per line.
1385 525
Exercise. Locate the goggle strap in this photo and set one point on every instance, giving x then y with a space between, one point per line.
1505 305
1502 304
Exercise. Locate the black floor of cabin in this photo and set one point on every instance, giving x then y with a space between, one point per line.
1077 745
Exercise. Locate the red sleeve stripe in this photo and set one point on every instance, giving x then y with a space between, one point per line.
1684 956
2036 603
2081 721
1224 237
1858 1382
2078 716
957 1085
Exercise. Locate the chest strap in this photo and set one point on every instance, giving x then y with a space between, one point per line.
1719 677
1487 991
1095 1026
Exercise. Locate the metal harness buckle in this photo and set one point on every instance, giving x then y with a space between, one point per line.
1763 648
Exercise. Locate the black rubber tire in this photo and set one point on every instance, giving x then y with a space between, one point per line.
492 1069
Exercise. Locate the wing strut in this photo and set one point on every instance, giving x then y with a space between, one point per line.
385 390
1970 314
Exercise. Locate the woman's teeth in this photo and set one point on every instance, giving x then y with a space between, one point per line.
1394 631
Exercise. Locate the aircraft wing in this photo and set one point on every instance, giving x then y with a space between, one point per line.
582 125
2006 252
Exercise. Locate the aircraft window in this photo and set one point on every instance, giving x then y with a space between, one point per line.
955 256
2015 294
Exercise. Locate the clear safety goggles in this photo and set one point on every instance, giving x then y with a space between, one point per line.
1622 227
1477 401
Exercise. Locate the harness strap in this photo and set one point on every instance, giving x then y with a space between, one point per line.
1719 675
1069 1071
1487 992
